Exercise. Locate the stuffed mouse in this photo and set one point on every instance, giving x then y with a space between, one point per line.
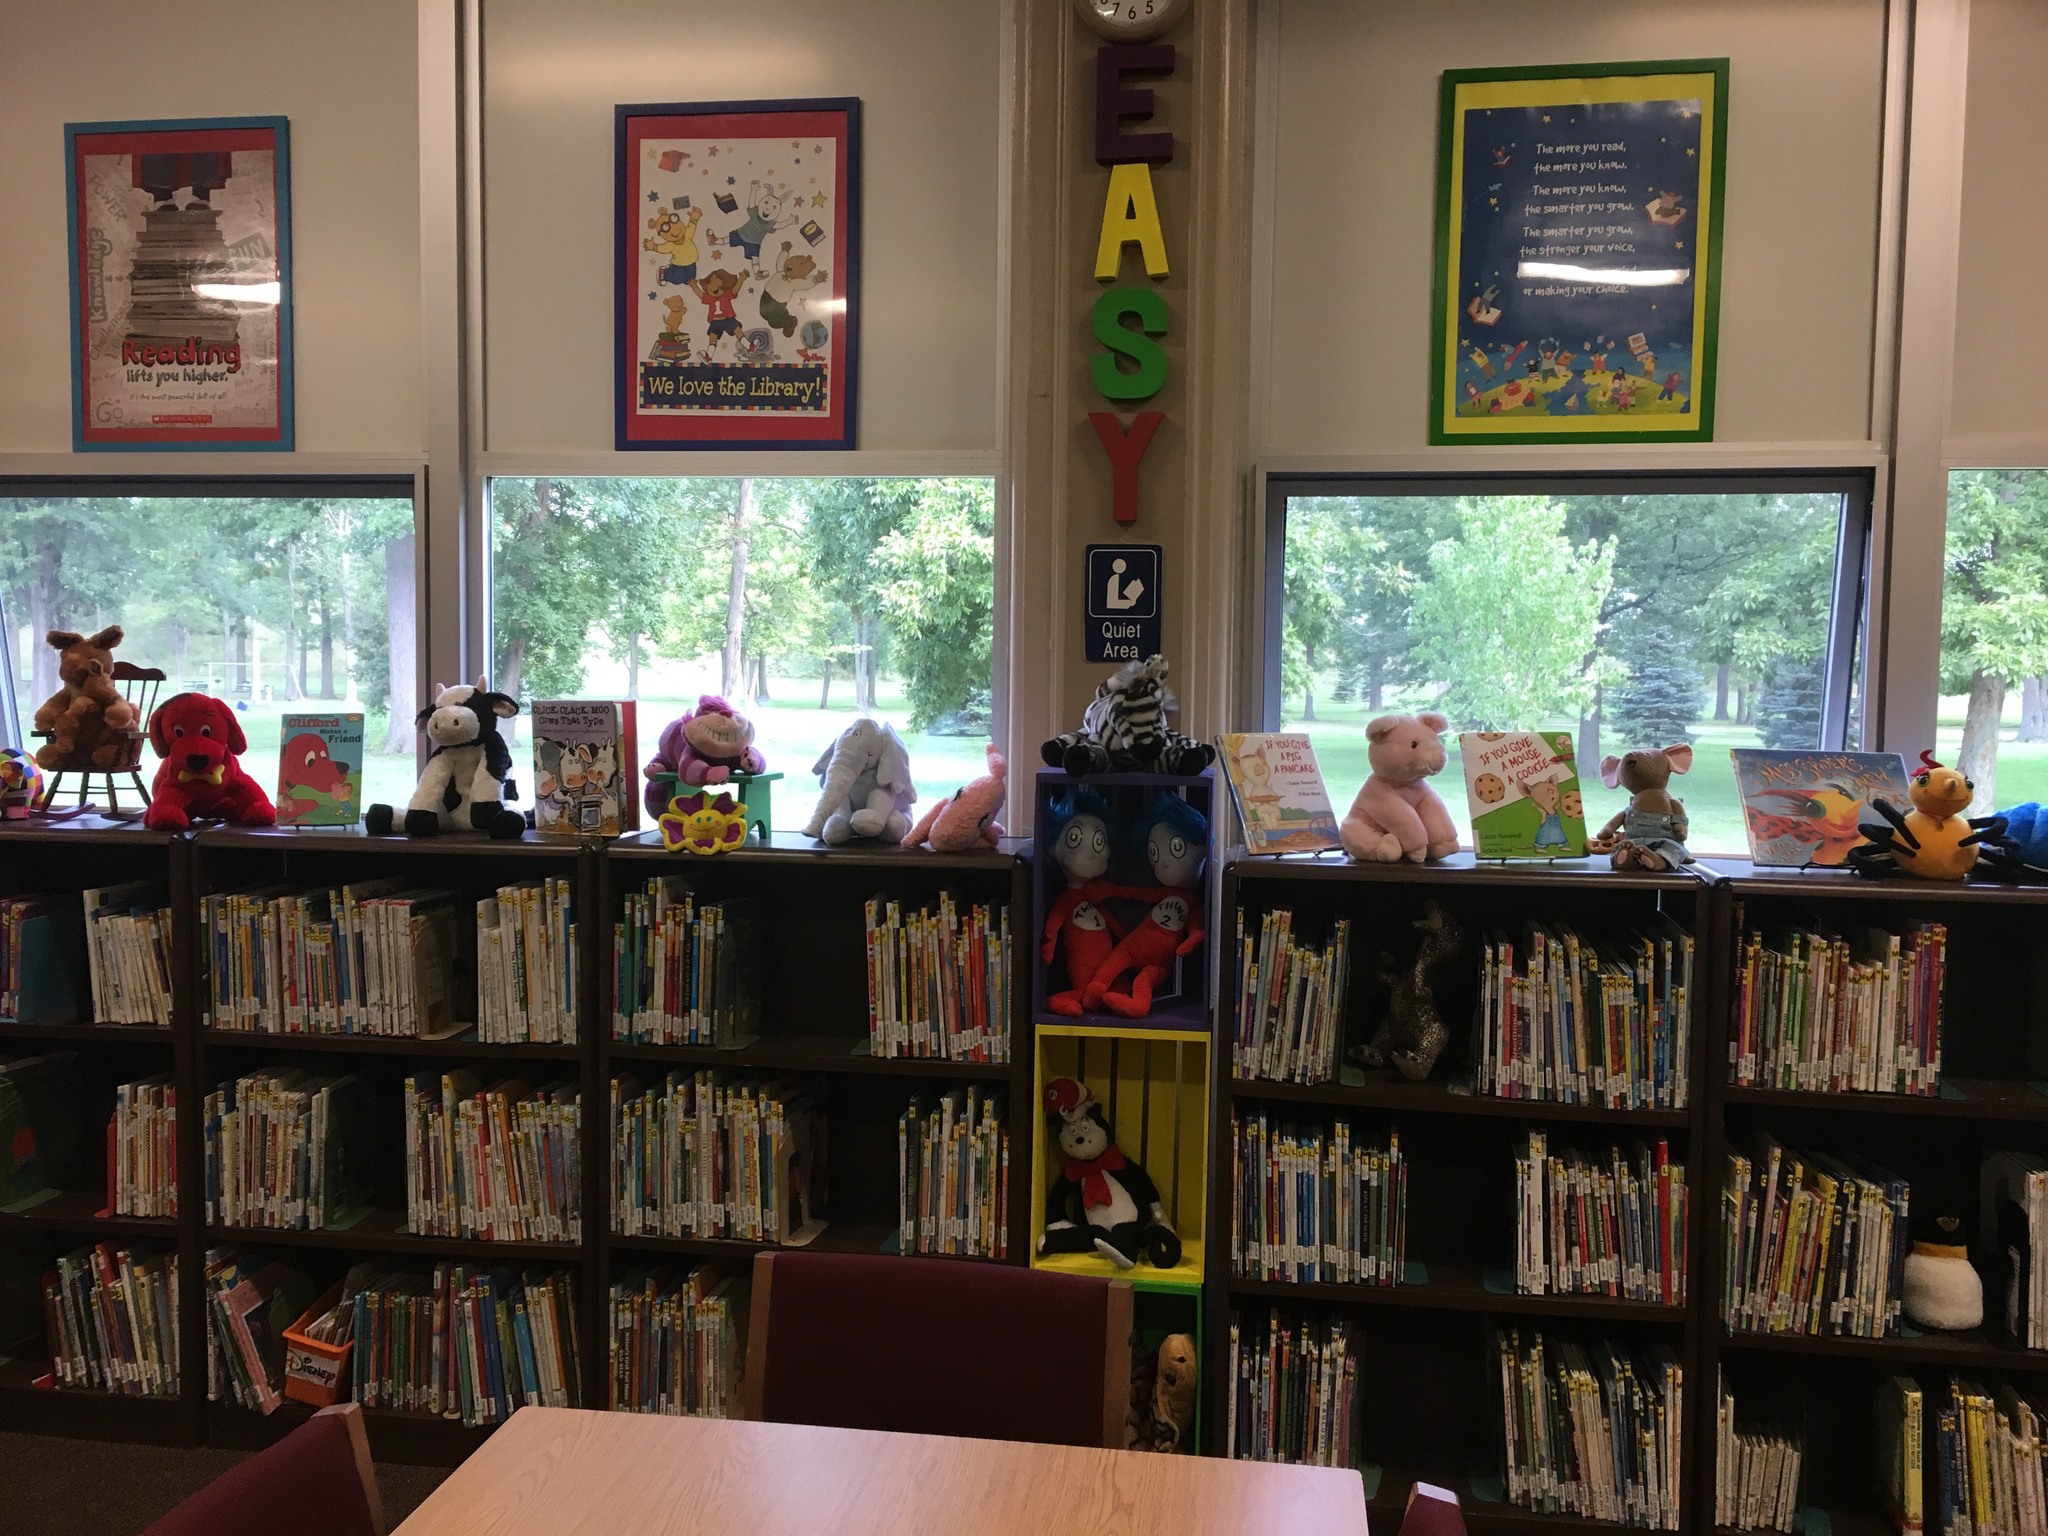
1650 833
1102 1200
199 739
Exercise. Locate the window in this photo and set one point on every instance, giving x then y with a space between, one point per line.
1726 611
293 595
804 602
1993 717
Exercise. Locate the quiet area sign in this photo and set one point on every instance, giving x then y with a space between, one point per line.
1122 601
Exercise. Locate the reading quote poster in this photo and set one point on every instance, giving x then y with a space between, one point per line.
1578 236
180 284
738 234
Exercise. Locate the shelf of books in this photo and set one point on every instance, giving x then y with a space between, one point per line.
799 1047
1883 1083
1513 1238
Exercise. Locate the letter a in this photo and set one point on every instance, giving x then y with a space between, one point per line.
1130 213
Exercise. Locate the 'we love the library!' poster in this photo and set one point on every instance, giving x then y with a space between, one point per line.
738 251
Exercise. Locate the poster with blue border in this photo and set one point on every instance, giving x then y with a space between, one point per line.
1578 246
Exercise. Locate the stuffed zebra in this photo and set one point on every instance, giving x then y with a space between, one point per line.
1124 729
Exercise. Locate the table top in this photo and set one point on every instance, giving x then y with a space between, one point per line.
569 1471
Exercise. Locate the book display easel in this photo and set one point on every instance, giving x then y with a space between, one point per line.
532 1102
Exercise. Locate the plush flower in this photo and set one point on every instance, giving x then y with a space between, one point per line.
703 823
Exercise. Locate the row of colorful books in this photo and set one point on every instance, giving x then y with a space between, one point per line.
1591 1429
128 953
110 1316
700 1154
1757 1467
685 972
2015 1187
1294 1386
467 1342
142 1148
677 1341
952 1175
1988 1461
1811 1243
501 1162
289 1148
1824 1013
1587 1019
1311 1203
526 963
938 980
372 958
1609 1224
1291 994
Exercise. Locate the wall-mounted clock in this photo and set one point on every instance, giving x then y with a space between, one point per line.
1131 21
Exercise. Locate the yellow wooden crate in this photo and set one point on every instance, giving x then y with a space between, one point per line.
1154 1086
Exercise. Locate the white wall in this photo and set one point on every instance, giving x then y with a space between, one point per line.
344 74
927 75
1998 412
1355 193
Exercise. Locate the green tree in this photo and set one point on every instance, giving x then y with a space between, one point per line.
846 522
1994 612
1509 611
1661 696
1788 705
937 591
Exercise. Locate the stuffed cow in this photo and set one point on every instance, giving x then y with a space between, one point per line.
864 786
468 777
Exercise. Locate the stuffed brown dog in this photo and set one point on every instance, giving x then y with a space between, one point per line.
87 718
198 739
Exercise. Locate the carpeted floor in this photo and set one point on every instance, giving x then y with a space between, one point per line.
52 1487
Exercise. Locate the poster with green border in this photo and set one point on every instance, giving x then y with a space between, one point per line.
1578 244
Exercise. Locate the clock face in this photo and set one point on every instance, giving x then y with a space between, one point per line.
1131 21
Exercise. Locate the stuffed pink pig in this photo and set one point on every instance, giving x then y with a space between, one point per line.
1397 815
967 818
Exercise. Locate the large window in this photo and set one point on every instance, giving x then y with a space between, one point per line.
803 602
1993 719
292 596
1634 612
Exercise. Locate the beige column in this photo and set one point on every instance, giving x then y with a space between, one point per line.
1056 483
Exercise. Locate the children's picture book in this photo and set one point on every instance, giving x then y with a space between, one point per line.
319 770
586 767
1279 792
1802 807
1523 787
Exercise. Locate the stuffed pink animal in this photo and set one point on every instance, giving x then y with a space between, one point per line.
1397 815
966 819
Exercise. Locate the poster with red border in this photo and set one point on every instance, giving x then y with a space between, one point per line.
181 321
738 266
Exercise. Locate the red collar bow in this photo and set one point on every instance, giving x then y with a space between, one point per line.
1094 1176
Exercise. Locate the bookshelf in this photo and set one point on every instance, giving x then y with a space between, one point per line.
1429 1333
814 1022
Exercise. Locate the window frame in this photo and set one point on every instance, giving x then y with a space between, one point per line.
82 487
1848 648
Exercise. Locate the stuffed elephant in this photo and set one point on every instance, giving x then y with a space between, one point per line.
865 786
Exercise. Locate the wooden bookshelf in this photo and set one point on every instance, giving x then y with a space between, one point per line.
1428 1405
814 1022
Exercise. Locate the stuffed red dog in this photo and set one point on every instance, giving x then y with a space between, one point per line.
198 739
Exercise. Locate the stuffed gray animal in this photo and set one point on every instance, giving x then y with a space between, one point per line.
865 788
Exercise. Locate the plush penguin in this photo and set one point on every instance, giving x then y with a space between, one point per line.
1942 1290
1102 1199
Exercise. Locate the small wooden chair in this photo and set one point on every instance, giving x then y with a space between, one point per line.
139 686
938 1347
316 1481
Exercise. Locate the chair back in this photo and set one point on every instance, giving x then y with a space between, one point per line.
316 1481
139 686
938 1347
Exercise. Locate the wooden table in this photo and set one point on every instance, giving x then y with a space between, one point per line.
565 1471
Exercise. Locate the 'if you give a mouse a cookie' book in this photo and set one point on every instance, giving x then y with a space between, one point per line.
1523 787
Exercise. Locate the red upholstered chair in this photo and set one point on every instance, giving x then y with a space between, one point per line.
938 1347
316 1481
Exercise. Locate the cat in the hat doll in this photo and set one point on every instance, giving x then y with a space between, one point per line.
1102 1199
